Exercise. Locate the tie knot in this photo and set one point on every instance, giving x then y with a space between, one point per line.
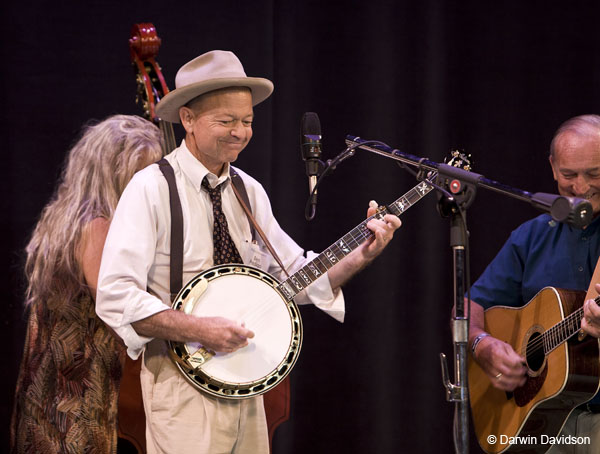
214 193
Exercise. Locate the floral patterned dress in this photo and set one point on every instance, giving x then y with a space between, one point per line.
68 386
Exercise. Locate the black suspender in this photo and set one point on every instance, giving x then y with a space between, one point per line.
176 281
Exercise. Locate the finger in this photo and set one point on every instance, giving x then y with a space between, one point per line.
590 327
392 221
593 309
381 235
501 381
591 317
373 226
243 332
507 381
512 364
373 205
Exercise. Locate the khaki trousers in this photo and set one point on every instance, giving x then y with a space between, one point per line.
181 419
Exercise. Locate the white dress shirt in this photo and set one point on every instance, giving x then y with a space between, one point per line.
134 275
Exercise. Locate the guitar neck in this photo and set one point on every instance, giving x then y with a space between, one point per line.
346 244
564 330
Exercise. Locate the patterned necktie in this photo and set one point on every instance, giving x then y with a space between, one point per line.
224 247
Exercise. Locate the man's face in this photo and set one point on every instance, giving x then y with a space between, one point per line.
576 167
218 126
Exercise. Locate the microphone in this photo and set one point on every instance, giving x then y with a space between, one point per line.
572 210
310 147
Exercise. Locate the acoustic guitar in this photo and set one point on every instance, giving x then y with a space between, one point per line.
563 372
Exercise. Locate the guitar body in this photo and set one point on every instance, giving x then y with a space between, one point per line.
558 381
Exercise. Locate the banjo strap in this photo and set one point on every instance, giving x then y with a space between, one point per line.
240 192
176 256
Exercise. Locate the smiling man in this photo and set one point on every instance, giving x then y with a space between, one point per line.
540 253
575 159
213 101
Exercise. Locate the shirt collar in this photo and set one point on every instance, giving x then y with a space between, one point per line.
195 171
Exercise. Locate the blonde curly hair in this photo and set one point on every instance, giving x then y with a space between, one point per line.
96 171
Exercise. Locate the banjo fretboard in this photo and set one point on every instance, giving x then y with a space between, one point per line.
346 244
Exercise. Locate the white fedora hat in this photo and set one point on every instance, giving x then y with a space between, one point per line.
210 71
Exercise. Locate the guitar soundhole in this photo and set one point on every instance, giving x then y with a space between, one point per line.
538 370
535 352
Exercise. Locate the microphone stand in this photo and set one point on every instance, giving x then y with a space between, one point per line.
462 185
457 392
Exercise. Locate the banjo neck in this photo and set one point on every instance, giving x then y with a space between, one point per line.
349 242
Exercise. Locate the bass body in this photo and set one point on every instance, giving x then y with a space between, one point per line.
563 372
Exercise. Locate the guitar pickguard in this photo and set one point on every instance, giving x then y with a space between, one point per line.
529 390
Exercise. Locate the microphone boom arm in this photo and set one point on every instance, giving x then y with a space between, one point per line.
577 212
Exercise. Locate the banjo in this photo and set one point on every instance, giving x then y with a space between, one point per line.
266 306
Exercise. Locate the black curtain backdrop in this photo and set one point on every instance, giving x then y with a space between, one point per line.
492 78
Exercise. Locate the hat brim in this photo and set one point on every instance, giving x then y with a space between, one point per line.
168 108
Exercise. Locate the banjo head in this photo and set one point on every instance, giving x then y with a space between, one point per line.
247 295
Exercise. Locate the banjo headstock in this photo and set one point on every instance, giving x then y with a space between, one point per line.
458 158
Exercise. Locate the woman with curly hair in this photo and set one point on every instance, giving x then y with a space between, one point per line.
68 385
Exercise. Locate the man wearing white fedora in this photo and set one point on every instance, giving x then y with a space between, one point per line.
213 100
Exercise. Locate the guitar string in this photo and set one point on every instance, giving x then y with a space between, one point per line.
547 336
574 319
558 333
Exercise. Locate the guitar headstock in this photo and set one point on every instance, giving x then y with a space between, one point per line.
151 87
458 158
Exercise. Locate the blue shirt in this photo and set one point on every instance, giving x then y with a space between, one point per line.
539 253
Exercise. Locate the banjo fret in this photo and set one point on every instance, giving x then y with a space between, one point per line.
304 276
313 269
296 283
287 290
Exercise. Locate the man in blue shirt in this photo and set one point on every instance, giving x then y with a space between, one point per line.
540 253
